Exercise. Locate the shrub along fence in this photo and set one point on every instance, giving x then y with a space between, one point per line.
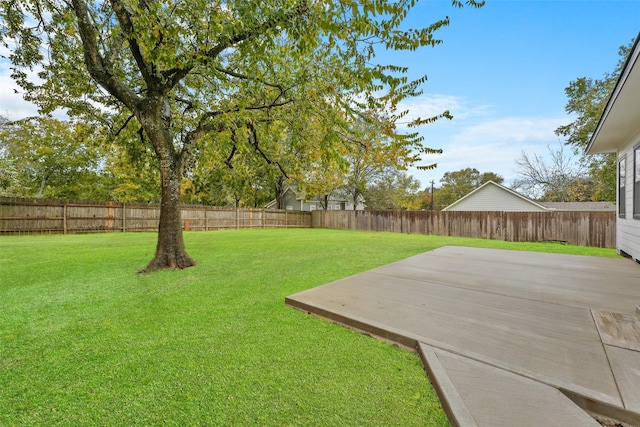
24 216
584 228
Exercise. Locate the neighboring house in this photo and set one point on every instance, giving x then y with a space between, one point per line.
296 200
618 131
495 197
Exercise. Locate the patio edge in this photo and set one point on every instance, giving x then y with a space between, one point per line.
451 401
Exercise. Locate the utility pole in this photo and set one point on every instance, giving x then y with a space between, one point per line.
431 204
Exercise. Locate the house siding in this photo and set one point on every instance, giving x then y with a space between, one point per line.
295 201
618 131
316 204
493 198
628 228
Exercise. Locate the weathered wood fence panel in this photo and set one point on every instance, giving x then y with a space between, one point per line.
24 216
584 228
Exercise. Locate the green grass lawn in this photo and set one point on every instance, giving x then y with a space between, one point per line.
86 341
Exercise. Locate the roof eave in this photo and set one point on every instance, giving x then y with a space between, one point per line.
598 144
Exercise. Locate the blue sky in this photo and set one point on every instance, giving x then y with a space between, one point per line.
501 71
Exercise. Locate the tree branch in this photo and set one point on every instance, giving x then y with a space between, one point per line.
126 122
256 146
233 150
99 68
124 18
174 75
206 117
244 77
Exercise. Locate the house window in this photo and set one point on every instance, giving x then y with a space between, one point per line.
312 207
622 176
636 182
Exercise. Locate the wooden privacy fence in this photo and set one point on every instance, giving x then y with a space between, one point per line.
584 228
24 216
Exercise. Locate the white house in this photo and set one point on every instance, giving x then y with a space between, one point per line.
297 201
618 131
494 197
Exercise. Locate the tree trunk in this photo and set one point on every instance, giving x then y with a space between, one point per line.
43 185
170 251
280 188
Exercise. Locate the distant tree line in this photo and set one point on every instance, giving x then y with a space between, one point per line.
43 157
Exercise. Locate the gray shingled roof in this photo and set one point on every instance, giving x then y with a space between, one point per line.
579 206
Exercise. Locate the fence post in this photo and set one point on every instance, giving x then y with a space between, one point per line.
264 218
237 219
206 219
64 218
286 224
124 217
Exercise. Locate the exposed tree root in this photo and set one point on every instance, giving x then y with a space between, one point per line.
168 261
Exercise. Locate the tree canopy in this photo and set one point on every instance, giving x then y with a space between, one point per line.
393 189
44 157
232 77
587 97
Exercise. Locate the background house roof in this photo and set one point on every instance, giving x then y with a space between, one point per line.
580 206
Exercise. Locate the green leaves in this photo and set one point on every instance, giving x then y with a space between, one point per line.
587 97
190 73
49 158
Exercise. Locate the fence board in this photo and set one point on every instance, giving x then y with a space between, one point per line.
24 216
584 228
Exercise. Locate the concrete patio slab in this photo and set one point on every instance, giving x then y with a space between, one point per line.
625 365
598 283
509 317
520 398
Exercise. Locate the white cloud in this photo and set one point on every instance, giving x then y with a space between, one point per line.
510 129
490 145
12 104
478 137
426 106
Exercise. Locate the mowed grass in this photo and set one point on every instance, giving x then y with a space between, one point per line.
86 341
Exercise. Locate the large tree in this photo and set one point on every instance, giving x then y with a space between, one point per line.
587 98
370 159
393 189
193 72
44 157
